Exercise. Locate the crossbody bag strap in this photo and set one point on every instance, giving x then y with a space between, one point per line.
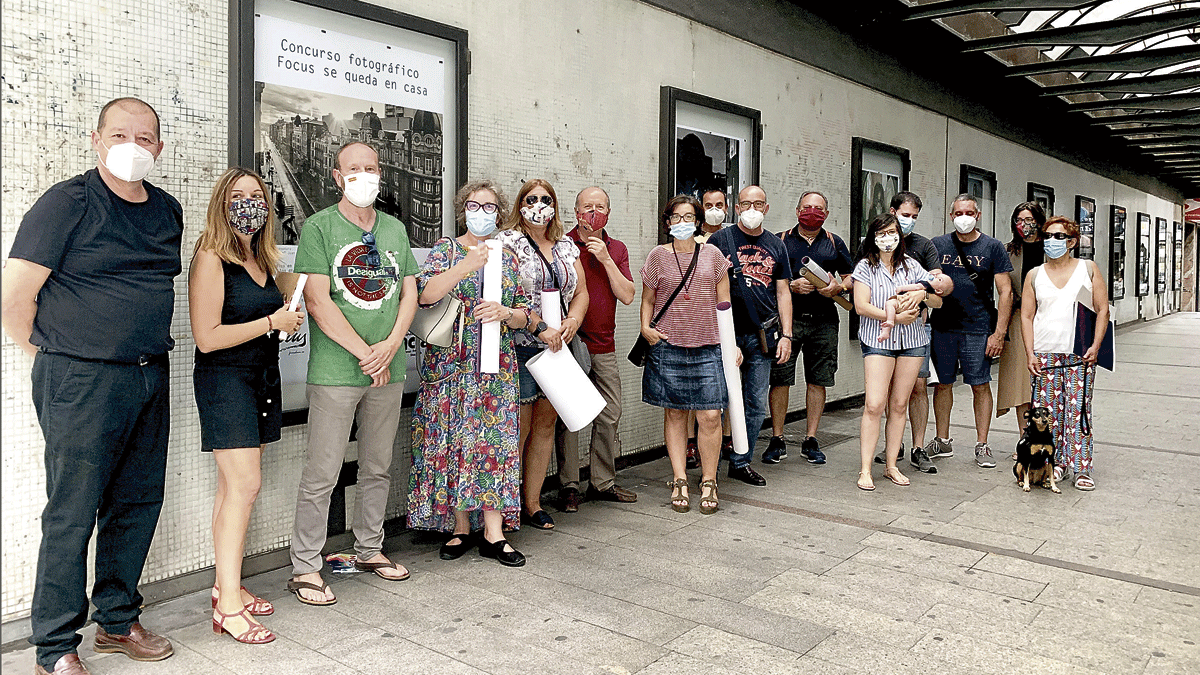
682 283
972 271
553 274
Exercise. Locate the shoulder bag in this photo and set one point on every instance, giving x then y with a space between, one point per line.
434 324
975 277
641 347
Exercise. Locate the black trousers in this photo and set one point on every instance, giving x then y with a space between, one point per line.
106 427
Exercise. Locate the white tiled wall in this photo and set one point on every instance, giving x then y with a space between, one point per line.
566 90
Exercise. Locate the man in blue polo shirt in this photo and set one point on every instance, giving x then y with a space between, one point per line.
89 292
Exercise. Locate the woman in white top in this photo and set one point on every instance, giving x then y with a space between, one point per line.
890 365
1062 380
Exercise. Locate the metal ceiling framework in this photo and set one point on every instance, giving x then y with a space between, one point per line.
1129 68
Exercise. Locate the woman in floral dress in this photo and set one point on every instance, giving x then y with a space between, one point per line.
466 468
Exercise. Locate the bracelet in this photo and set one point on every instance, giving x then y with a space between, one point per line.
789 337
511 313
270 327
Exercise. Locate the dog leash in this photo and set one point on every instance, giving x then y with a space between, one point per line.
1085 408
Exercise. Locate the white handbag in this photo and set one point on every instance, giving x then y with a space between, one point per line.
435 324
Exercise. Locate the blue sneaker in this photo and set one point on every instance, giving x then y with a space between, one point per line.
811 450
776 451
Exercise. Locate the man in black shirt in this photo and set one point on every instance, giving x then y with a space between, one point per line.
89 293
814 324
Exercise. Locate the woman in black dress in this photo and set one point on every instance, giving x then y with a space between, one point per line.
235 311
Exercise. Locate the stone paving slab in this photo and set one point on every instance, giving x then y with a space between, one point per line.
960 573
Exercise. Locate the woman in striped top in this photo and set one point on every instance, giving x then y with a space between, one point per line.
683 369
890 364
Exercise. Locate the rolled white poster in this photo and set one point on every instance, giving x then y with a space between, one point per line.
296 295
572 394
817 276
489 346
733 378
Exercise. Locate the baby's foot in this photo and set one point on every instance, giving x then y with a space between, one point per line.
885 331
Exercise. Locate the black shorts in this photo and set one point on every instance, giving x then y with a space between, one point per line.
817 339
240 406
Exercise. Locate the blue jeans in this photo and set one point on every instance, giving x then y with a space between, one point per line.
756 384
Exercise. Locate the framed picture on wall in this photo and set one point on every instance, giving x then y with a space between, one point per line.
981 184
877 172
1042 194
1162 245
1085 215
1177 278
1116 258
1143 256
706 144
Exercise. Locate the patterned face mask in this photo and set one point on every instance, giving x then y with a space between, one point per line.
248 215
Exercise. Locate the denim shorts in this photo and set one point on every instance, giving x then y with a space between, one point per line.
965 352
530 391
924 374
684 378
868 350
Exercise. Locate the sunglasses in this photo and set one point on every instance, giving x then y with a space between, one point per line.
530 200
487 207
368 239
1056 235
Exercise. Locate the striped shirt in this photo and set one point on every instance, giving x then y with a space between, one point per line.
883 286
691 320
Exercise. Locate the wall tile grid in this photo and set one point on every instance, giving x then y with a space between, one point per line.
561 106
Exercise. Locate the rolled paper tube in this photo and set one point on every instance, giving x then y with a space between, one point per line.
489 347
733 378
551 312
572 394
817 276
296 295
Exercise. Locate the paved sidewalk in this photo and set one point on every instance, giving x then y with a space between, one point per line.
961 572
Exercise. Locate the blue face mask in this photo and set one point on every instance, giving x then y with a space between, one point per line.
683 230
1055 248
906 224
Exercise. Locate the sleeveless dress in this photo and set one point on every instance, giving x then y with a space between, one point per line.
238 392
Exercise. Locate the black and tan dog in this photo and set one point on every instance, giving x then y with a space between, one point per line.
1035 451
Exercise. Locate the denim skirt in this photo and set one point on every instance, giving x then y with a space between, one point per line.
684 378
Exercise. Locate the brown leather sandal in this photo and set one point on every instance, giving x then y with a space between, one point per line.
709 504
680 501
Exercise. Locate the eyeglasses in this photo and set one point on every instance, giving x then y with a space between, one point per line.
1056 235
682 218
368 239
757 204
488 207
1025 221
530 200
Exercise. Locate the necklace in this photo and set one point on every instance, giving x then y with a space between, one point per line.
686 296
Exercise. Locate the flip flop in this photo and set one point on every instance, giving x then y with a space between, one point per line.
892 477
297 586
862 486
374 567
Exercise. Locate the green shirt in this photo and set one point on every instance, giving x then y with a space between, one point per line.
367 295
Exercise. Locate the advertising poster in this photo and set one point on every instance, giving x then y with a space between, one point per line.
1085 211
1116 272
1163 246
1177 279
1143 256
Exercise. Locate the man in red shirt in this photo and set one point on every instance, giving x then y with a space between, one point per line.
606 265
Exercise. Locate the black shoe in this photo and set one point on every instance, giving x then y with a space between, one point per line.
569 500
541 520
776 451
811 450
495 550
881 458
726 446
921 461
747 475
693 455
455 551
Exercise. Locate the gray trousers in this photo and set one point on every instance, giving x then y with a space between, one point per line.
606 444
330 416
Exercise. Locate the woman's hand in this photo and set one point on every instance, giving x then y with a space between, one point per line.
488 311
569 326
908 316
552 337
287 322
652 336
1035 367
910 300
475 258
1090 356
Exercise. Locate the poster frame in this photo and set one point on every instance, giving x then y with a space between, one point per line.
1032 193
1162 252
1088 253
1143 233
1117 253
1177 258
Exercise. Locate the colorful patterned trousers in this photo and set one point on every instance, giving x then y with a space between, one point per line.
1066 389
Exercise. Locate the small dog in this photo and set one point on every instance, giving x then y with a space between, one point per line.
1035 451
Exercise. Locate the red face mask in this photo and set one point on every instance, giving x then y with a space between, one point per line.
595 220
811 219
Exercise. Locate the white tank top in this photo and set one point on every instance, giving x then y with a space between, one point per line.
1054 322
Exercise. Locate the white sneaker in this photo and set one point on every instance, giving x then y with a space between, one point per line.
983 456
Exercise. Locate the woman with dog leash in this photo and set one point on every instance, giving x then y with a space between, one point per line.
1062 380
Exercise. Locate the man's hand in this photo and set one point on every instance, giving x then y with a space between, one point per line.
597 248
382 379
379 358
1090 356
802 286
831 290
995 344
783 351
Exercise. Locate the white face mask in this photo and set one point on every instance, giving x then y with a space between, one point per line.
906 224
538 214
361 188
752 218
964 224
129 162
714 216
887 242
480 223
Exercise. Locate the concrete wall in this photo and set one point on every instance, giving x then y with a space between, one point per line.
565 90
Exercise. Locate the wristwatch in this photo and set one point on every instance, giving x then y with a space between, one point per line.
541 326
789 337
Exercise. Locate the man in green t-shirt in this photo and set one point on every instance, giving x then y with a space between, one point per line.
361 295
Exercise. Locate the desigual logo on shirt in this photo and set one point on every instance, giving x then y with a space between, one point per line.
363 285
